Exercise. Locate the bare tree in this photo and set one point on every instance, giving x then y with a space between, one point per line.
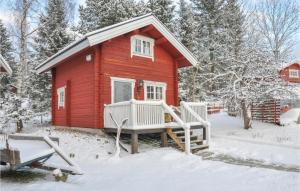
22 15
278 21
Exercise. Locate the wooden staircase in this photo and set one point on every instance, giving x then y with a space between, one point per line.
178 136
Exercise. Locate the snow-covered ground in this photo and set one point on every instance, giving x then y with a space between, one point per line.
267 142
170 169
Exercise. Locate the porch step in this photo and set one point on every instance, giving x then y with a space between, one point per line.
178 135
182 132
196 141
192 137
195 148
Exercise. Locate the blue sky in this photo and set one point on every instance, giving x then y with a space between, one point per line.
5 16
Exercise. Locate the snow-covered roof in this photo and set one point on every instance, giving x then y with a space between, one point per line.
5 65
109 32
285 65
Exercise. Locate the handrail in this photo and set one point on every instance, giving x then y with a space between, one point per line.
199 118
185 126
186 106
134 105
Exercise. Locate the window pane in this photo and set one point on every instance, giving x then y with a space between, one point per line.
146 48
122 91
150 92
138 47
159 93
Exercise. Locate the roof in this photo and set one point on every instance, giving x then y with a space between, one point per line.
109 32
289 64
5 65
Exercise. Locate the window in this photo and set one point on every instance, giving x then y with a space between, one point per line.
154 90
61 97
142 46
293 73
122 89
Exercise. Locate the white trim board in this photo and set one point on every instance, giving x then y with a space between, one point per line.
106 33
5 65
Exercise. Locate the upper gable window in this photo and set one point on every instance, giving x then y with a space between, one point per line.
293 73
142 46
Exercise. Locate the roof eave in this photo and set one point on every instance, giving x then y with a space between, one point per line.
62 55
101 35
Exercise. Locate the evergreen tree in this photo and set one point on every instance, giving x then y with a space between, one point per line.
5 43
234 23
52 34
164 11
186 24
51 37
101 13
5 80
186 34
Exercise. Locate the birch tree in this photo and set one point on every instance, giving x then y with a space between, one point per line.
23 13
278 21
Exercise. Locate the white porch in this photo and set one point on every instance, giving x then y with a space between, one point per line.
150 117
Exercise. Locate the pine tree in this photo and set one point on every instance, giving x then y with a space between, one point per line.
164 11
51 37
5 43
5 80
101 13
186 24
186 34
52 34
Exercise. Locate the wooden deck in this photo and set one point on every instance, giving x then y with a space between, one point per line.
143 117
134 133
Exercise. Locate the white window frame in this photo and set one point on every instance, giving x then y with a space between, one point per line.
142 38
155 84
291 71
61 103
114 79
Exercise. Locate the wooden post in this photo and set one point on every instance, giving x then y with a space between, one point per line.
97 70
204 133
53 92
134 143
164 139
68 103
176 99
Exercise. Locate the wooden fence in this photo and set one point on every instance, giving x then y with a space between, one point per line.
266 111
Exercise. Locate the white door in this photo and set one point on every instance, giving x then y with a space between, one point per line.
122 89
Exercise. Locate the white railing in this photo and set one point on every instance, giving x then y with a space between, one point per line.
196 112
199 108
119 111
151 114
148 114
145 114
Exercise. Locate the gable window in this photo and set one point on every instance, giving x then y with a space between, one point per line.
142 46
61 97
154 90
293 73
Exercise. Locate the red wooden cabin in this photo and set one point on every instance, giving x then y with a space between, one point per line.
136 59
291 72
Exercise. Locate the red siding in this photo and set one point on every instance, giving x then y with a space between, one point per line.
116 62
285 73
110 59
77 75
